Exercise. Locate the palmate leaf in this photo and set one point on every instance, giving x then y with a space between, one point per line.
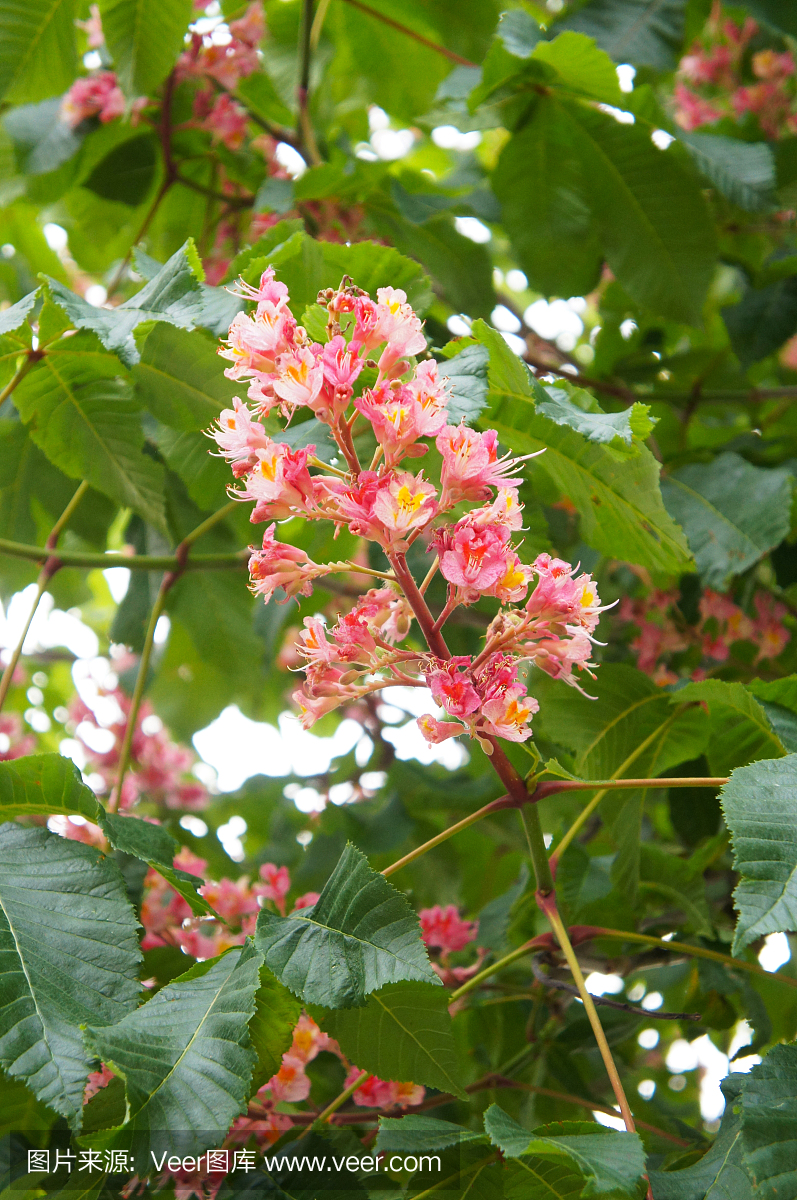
760 811
727 537
144 38
769 1124
38 51
763 320
174 294
360 935
403 1033
741 732
186 1057
68 956
611 1164
81 414
618 498
744 172
467 375
47 784
626 428
180 378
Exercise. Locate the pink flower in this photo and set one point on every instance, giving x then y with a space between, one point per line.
276 884
308 1039
316 646
13 743
508 715
96 1081
226 122
95 96
290 1084
251 27
377 1093
557 656
398 325
473 558
281 566
300 377
93 28
444 929
239 437
255 343
512 586
452 687
768 64
471 466
270 295
402 413
341 367
306 901
280 482
403 503
691 111
436 731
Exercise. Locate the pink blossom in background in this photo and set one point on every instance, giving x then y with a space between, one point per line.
444 929
93 96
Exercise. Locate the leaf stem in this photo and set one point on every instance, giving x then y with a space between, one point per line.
493 806
530 819
305 129
51 565
338 1102
135 562
31 358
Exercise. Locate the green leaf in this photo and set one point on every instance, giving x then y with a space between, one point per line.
43 784
195 1075
128 172
631 425
15 316
551 224
38 54
173 295
43 141
144 38
467 375
740 730
671 879
414 1134
534 1179
769 1124
360 935
654 223
81 414
403 1033
743 172
720 1172
622 513
68 956
763 320
760 812
271 1027
612 1164
519 32
644 32
180 378
727 537
582 67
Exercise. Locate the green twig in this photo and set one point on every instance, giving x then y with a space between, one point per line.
338 1102
135 562
647 939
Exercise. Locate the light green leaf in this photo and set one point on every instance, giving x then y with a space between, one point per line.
403 1033
759 806
38 53
195 1075
43 784
68 956
271 1027
360 935
622 513
769 1124
727 537
180 378
612 1164
413 1134
668 878
144 38
719 1174
15 316
740 729
644 32
582 67
744 172
81 414
628 427
173 294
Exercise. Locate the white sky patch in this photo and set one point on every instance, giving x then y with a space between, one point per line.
557 321
504 319
473 228
448 137
603 985
661 138
625 76
290 159
55 236
775 951
118 580
51 626
610 1122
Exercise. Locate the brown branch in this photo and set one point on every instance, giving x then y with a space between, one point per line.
560 985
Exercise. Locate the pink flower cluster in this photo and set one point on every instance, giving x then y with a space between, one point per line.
160 768
403 403
93 96
663 632
720 78
226 63
14 742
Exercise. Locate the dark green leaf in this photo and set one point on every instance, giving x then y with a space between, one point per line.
744 172
644 32
403 1033
413 1134
760 811
180 378
144 38
127 173
612 1164
740 730
69 955
769 1124
359 936
727 537
720 1171
467 374
38 54
271 1027
763 320
81 414
672 881
195 1075
618 498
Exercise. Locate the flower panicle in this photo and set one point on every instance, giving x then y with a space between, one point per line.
367 375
